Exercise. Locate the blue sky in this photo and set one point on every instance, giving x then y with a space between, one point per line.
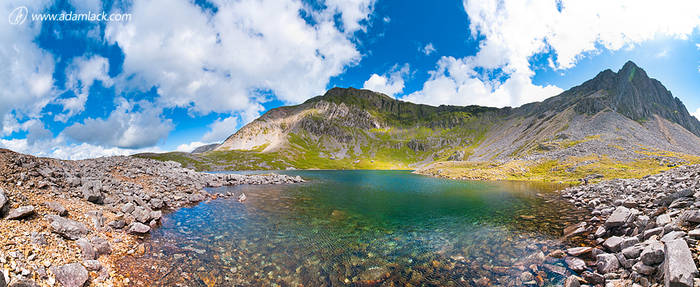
177 73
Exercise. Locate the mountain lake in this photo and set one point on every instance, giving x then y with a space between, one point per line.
360 228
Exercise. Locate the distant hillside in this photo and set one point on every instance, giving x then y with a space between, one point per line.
623 119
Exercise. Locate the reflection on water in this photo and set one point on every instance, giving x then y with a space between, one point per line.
365 228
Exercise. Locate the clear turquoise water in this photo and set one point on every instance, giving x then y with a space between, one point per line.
358 228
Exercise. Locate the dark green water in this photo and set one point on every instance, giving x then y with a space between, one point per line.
389 228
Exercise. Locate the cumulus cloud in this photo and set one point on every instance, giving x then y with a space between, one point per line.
514 31
129 126
391 83
696 114
220 62
220 129
81 74
26 71
428 49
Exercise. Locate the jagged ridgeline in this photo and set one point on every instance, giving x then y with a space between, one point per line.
625 121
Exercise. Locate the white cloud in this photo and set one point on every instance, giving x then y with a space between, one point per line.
220 129
81 74
130 126
220 62
190 146
428 49
60 148
696 114
698 46
391 83
26 71
513 31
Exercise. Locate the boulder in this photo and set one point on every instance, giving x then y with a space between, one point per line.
128 208
653 254
613 244
138 228
4 203
690 216
579 251
632 252
57 208
86 249
67 228
575 263
618 217
679 267
92 265
606 263
572 281
643 269
93 194
21 212
71 275
101 245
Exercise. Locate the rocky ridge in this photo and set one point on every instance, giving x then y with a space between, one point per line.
67 221
642 232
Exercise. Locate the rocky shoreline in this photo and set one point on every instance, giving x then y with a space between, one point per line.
642 232
64 223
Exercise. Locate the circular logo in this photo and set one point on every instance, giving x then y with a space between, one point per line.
18 15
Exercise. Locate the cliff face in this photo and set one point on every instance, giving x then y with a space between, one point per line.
614 114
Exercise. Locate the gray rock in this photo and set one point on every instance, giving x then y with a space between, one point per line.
575 263
21 212
92 265
600 232
93 194
593 277
23 283
618 217
141 214
679 267
101 245
664 201
86 249
690 216
117 224
128 208
643 269
654 231
2 279
606 263
156 203
572 281
613 244
98 220
663 219
578 251
67 228
695 233
673 235
138 228
632 252
628 242
4 203
653 254
71 275
57 208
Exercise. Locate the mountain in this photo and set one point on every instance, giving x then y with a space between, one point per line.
618 123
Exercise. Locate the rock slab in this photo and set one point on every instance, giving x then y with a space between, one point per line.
679 267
